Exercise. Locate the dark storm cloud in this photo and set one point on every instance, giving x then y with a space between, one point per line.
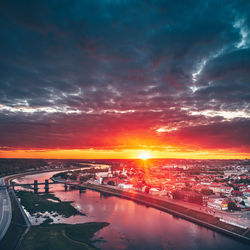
227 78
98 65
215 135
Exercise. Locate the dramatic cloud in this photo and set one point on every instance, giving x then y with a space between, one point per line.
110 74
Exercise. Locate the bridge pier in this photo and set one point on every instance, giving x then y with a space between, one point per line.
35 186
46 186
65 187
82 189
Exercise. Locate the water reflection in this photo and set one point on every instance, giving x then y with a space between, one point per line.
135 226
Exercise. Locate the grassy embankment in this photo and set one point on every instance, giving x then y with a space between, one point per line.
62 236
16 228
56 236
35 203
172 208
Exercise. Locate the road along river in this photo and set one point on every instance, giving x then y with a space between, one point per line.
5 210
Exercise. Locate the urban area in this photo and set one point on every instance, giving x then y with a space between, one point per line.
219 188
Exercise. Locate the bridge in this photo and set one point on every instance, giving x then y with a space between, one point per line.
35 184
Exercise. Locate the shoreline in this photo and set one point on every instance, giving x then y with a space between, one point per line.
15 205
165 206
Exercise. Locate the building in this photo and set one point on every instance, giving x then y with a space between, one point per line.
218 203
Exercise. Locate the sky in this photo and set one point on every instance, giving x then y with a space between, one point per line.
114 78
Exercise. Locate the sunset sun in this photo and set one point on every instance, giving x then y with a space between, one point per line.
144 156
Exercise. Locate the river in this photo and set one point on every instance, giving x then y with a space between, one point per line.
133 225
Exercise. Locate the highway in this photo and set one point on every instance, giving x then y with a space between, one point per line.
5 210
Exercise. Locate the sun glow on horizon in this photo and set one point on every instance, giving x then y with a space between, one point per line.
122 154
144 156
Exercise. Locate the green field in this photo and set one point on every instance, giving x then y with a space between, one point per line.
61 236
35 203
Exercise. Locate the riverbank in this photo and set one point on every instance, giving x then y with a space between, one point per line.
62 236
20 224
41 203
200 218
